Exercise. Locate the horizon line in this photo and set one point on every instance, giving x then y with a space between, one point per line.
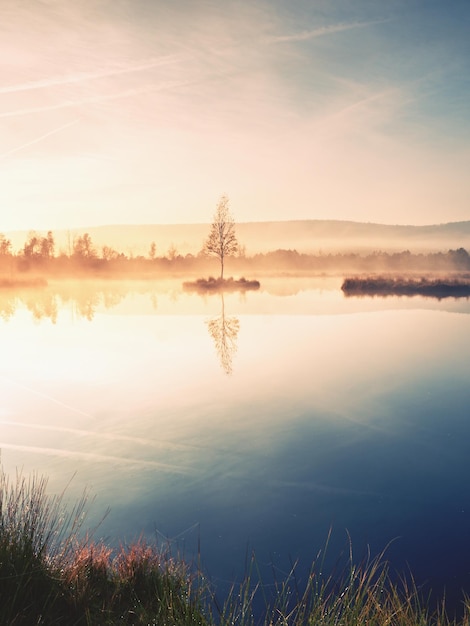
274 221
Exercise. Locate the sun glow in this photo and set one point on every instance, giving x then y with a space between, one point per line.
146 113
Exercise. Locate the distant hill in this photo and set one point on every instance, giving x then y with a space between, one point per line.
313 236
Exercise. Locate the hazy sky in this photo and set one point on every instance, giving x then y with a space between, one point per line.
146 111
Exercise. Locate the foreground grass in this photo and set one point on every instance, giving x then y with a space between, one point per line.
51 575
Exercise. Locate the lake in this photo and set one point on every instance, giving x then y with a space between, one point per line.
249 421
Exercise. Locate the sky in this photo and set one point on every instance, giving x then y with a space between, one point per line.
147 111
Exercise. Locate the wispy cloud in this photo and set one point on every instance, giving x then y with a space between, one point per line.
38 139
385 98
319 32
128 93
85 76
170 88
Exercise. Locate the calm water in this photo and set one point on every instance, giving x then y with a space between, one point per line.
253 421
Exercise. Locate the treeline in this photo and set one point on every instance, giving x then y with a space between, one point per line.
406 261
39 256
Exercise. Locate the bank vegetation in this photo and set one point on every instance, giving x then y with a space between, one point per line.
39 259
53 573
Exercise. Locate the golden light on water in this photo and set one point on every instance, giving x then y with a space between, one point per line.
133 382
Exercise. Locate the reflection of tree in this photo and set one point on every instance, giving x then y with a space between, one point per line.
87 303
7 306
224 332
42 304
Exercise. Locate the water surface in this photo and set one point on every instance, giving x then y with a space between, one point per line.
255 420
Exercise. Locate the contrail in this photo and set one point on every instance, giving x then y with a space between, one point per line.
321 32
159 445
38 139
101 98
45 396
322 488
80 77
360 103
91 456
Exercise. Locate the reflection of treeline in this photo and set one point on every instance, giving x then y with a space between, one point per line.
82 298
39 254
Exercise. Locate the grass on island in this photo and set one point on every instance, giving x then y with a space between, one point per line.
399 286
212 284
51 574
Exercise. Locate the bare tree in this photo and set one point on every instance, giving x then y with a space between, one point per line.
5 245
108 253
32 248
47 245
83 247
222 240
172 252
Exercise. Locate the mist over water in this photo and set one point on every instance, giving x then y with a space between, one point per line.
253 420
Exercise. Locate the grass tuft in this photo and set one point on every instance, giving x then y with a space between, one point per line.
52 574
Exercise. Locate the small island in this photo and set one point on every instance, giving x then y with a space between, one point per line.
398 286
212 284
